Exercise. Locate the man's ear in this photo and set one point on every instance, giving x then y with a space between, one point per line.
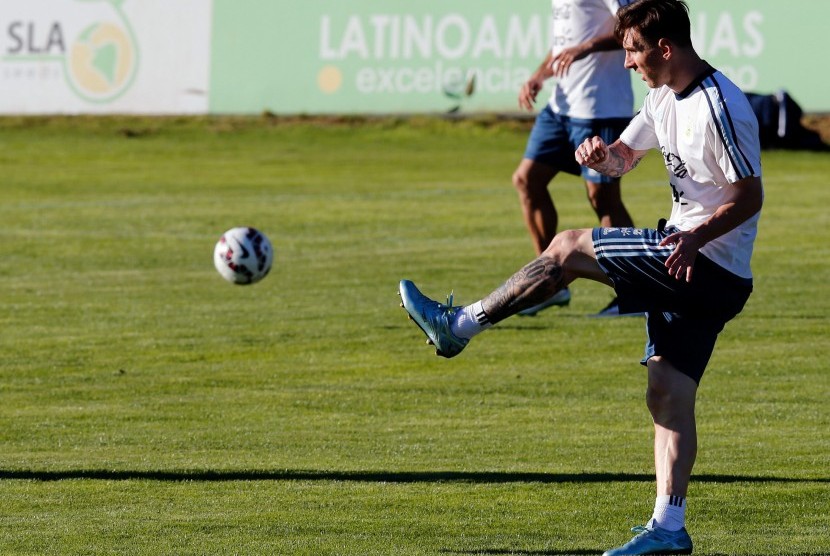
666 48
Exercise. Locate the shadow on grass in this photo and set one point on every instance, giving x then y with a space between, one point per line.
487 551
482 477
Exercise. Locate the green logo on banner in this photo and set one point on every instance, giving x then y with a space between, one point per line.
101 62
99 66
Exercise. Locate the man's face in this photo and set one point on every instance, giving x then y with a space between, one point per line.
646 60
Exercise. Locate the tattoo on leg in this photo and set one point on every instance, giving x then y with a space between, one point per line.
533 284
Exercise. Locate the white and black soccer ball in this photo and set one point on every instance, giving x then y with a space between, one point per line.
243 255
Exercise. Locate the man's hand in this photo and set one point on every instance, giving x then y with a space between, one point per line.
561 63
682 260
528 93
591 151
612 160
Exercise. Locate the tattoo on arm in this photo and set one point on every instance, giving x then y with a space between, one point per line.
618 162
531 285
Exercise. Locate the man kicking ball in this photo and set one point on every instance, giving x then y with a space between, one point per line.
691 274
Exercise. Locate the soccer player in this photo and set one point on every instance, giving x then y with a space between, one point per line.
592 96
691 274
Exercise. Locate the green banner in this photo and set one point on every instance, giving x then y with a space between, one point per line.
373 56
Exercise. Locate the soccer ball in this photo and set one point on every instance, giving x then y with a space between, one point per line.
243 255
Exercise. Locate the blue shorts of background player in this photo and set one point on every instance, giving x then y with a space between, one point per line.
554 138
683 319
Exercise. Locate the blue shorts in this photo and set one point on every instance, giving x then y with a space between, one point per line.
554 139
683 319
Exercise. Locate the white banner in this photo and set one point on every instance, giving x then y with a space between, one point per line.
104 56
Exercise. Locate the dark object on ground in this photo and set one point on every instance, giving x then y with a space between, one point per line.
779 123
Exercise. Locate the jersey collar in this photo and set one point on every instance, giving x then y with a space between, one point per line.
695 82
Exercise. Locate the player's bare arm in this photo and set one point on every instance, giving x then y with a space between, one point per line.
563 60
614 160
746 200
531 87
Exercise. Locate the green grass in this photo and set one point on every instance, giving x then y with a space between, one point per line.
148 407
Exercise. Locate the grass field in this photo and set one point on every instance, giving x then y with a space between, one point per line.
148 407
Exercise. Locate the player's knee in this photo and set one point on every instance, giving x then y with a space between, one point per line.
529 185
669 395
521 181
564 245
657 400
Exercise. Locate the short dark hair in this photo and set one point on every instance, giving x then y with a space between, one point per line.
655 20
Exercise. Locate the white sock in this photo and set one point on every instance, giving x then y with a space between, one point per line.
469 321
669 512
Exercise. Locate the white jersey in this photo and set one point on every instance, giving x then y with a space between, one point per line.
597 86
708 135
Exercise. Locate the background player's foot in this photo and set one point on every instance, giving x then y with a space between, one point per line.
559 299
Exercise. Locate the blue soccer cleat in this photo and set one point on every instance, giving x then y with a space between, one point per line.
654 541
433 319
